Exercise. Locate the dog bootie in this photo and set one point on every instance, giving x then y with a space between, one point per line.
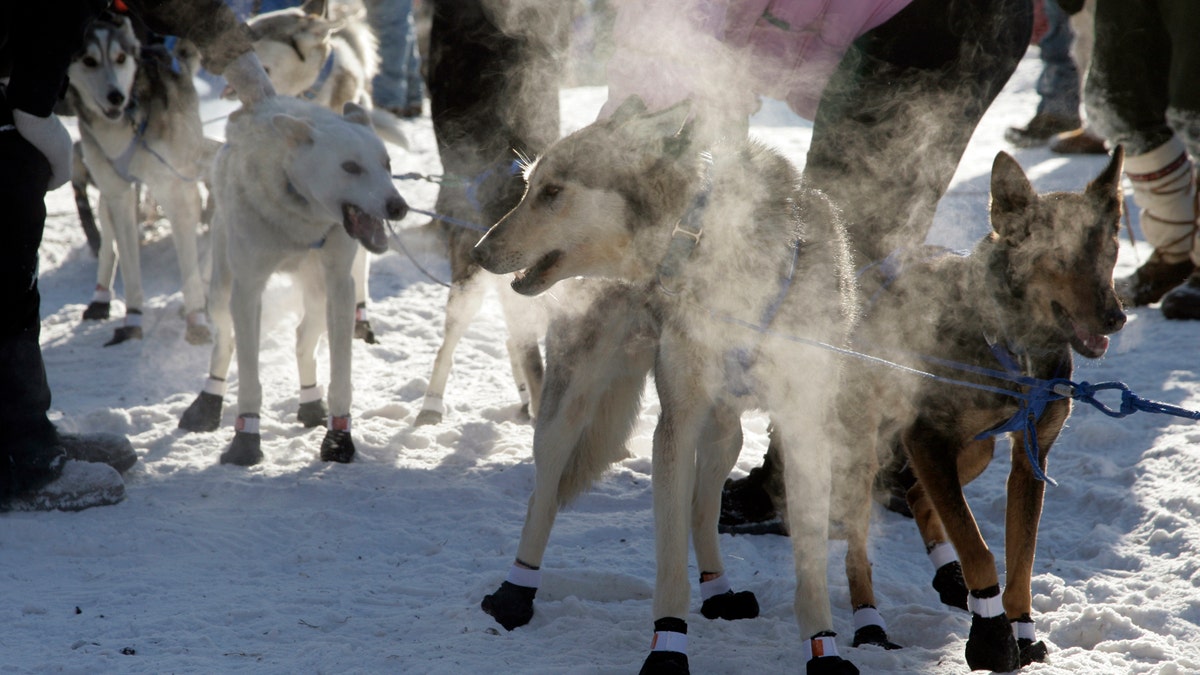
1031 648
821 656
668 650
246 448
81 485
991 644
1166 192
720 602
337 446
1183 301
948 582
511 605
204 414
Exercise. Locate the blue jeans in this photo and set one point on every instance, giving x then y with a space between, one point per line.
1058 85
398 83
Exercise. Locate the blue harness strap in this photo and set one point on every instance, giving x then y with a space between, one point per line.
314 89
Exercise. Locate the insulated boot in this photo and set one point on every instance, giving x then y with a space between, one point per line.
1152 280
1040 129
1183 301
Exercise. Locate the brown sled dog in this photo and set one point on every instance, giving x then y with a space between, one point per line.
1038 287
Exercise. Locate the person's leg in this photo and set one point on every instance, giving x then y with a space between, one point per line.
1127 96
1057 86
890 129
390 21
30 455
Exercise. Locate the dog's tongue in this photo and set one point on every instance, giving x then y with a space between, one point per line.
366 228
1096 343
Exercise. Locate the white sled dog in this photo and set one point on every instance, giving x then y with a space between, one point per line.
139 122
728 263
297 189
327 55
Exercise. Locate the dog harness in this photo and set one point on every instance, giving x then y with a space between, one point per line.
314 90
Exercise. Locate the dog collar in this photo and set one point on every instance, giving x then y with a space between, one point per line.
686 235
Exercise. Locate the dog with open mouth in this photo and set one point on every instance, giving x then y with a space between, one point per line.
298 189
1036 289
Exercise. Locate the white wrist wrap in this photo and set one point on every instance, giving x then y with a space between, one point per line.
714 587
666 641
133 318
523 576
246 425
310 394
942 554
215 387
820 646
1024 630
985 607
101 295
434 404
868 616
339 423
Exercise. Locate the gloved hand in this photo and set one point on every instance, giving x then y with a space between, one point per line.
51 138
247 77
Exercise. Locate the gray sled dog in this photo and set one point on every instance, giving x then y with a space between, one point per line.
327 55
1036 289
725 264
298 188
139 122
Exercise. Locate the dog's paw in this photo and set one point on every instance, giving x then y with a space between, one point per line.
872 634
730 606
427 417
991 645
948 582
197 334
337 446
511 605
97 311
830 665
665 663
245 450
313 414
523 414
362 331
1032 651
124 334
204 414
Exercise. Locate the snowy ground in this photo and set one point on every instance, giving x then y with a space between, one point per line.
298 566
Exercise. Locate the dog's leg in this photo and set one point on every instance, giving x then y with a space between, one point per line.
204 413
936 457
523 318
463 303
338 446
596 368
362 273
719 447
246 311
312 412
122 209
79 183
181 204
1024 511
106 268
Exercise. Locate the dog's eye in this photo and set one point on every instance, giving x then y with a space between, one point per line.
90 62
352 168
120 59
549 192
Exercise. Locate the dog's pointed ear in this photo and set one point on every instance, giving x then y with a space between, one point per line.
1108 184
629 108
357 114
316 7
663 126
1011 197
295 130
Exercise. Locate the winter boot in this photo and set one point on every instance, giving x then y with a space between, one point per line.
112 449
1040 129
81 485
1164 187
1183 301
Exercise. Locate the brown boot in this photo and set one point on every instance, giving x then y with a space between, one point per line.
1183 301
1078 142
1040 129
1152 280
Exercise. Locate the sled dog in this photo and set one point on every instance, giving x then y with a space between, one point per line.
725 262
1038 287
297 189
139 122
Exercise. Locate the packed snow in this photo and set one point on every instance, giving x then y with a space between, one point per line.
299 566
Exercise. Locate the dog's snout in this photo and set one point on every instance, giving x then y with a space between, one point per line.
397 208
115 97
1114 320
480 254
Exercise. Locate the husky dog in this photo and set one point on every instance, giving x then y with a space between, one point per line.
727 263
331 62
297 189
139 122
1038 287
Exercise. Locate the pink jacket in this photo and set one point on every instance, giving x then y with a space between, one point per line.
727 52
